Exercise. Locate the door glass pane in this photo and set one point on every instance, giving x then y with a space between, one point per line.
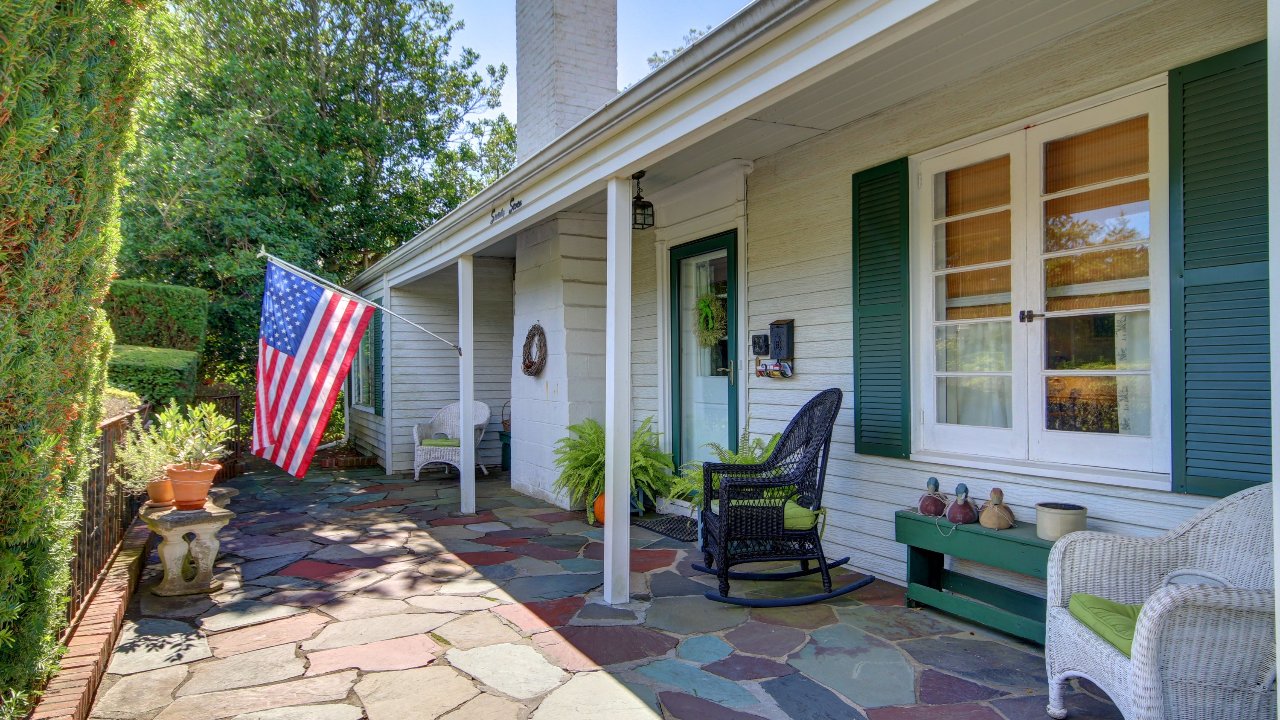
1106 216
1114 404
1099 279
1111 341
974 347
973 294
980 400
973 188
1107 153
972 241
704 297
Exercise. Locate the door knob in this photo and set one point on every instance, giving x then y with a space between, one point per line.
728 370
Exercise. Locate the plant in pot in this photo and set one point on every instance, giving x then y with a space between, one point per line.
687 485
196 440
140 463
580 458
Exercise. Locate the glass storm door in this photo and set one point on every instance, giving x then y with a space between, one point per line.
704 392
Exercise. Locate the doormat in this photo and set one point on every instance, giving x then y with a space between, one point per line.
676 527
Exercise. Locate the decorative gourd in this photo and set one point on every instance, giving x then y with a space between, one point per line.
995 515
961 510
932 503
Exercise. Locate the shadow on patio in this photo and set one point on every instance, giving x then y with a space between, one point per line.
352 594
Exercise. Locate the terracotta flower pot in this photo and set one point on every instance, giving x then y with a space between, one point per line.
598 507
160 493
191 487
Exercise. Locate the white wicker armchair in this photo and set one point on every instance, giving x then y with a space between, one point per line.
444 425
1199 651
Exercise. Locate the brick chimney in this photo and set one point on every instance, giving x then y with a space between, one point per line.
566 66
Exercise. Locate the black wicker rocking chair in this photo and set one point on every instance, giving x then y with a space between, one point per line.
773 511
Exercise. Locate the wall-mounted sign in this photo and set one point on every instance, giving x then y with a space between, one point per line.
504 210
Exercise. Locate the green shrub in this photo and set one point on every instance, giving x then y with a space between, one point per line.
117 402
158 315
72 71
157 374
751 451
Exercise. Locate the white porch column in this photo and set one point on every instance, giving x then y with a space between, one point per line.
467 379
617 395
1273 248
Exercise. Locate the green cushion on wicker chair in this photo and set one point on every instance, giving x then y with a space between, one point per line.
1112 621
440 442
794 515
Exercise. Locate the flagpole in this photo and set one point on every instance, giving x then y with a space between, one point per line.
343 291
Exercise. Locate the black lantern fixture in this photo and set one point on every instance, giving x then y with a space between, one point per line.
641 209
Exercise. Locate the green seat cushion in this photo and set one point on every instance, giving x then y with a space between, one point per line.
794 515
439 442
1112 621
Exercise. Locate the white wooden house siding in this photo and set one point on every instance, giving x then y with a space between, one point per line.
799 264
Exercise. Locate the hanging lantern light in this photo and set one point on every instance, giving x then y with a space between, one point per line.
641 209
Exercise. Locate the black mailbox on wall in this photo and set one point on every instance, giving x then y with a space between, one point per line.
782 339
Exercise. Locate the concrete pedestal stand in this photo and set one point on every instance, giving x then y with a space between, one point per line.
174 528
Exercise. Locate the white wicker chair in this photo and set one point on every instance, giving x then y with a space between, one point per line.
1199 651
445 425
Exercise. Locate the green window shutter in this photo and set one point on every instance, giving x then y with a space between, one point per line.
881 317
1218 279
376 337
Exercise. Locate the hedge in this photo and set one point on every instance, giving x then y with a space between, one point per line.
157 374
158 315
71 73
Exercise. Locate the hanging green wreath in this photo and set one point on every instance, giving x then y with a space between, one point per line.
713 321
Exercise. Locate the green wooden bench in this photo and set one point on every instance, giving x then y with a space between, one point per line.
986 603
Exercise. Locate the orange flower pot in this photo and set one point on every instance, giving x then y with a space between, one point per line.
191 487
599 508
160 493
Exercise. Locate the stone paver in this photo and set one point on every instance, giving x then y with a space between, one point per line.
400 653
515 670
398 607
135 694
259 667
151 643
367 630
229 703
594 695
425 693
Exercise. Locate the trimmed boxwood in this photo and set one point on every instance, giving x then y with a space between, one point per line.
72 71
158 315
157 374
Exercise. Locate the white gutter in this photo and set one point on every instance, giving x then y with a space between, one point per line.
704 57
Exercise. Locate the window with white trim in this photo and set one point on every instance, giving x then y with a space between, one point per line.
1040 282
362 368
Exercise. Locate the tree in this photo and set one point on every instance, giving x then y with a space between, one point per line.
328 131
662 57
70 72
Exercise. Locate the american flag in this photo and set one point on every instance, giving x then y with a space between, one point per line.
307 339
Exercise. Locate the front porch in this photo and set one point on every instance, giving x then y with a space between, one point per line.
355 594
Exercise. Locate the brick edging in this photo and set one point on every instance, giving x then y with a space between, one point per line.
70 692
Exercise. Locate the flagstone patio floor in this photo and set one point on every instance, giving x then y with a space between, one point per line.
352 594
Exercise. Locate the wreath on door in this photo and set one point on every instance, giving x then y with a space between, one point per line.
535 351
712 319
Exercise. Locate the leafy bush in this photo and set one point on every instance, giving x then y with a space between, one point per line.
141 456
195 437
158 315
72 71
751 451
581 461
157 374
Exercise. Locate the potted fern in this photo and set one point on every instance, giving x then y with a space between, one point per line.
580 458
686 488
140 461
196 440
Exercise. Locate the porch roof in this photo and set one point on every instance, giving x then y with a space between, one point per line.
775 74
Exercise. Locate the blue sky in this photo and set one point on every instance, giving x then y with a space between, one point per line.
643 28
